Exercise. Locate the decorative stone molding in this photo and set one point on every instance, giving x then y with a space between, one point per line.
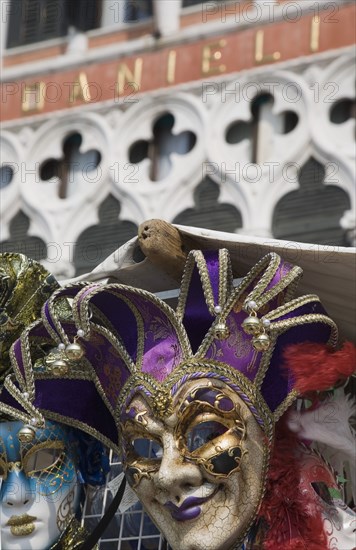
123 133
337 83
61 220
133 179
12 168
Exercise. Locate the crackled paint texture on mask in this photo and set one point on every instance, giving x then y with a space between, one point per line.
39 490
203 480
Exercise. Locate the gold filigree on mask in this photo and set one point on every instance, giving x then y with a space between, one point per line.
139 448
14 467
138 470
46 460
43 457
66 511
162 403
210 431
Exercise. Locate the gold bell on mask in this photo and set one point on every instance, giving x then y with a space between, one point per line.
59 367
74 351
26 434
251 325
221 331
261 342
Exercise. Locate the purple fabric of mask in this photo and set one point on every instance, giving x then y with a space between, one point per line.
7 399
38 331
197 318
237 349
121 316
162 349
108 366
19 357
77 399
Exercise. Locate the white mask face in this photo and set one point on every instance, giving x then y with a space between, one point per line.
39 490
203 480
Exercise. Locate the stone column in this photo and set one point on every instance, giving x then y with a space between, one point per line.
167 16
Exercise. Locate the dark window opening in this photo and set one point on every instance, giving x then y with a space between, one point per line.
160 148
33 21
209 212
100 240
73 162
261 110
6 175
343 110
20 241
138 10
312 213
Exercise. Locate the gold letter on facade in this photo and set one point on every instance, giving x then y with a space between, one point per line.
260 57
125 76
211 53
171 66
33 96
315 34
80 89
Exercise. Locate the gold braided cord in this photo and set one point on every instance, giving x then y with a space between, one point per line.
196 257
57 305
291 306
184 287
285 324
205 279
271 261
225 276
292 277
80 315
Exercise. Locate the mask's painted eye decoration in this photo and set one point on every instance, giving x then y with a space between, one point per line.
213 397
42 458
211 431
202 433
226 462
147 448
143 459
323 491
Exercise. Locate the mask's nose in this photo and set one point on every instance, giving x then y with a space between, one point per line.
16 490
176 477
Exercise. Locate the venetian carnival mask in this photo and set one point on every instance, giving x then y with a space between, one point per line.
189 397
39 490
41 461
200 471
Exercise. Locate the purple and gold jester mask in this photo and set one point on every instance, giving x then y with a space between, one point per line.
189 397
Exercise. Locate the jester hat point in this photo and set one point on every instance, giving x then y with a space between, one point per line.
113 340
